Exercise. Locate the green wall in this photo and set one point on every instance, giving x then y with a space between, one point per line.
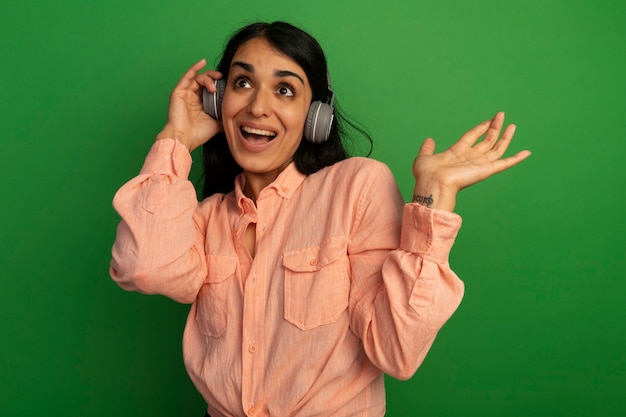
541 330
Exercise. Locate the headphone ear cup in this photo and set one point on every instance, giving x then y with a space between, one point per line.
318 122
212 102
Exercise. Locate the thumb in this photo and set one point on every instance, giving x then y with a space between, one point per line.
428 147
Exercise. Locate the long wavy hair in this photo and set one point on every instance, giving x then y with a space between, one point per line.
220 168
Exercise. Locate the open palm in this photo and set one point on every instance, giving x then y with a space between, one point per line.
467 162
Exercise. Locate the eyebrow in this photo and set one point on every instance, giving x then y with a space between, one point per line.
277 73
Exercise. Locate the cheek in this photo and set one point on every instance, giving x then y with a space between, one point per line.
227 107
229 111
296 118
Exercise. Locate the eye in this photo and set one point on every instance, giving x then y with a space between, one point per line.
285 90
242 82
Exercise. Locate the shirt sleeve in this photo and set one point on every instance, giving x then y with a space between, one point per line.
403 290
159 246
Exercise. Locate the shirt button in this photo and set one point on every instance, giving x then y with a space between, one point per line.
285 188
313 262
252 349
251 411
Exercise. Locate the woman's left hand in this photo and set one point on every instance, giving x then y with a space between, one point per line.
439 177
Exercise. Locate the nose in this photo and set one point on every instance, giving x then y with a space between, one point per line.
260 103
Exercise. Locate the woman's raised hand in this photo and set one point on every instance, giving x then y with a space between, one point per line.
439 177
186 119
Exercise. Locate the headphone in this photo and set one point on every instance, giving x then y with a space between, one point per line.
318 122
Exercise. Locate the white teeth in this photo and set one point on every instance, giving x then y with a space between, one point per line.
258 131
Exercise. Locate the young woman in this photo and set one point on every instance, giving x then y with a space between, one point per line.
308 275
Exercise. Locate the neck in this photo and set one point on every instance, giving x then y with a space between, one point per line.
256 182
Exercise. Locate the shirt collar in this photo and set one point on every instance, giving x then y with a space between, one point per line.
285 185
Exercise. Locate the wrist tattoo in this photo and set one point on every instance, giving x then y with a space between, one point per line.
424 201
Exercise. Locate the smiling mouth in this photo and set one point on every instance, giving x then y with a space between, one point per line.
257 135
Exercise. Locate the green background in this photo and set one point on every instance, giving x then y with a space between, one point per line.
541 330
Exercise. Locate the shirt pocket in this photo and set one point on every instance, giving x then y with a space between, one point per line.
317 284
213 298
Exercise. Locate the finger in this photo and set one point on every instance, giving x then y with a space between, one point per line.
504 142
428 147
506 163
188 78
491 137
216 75
208 78
471 136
